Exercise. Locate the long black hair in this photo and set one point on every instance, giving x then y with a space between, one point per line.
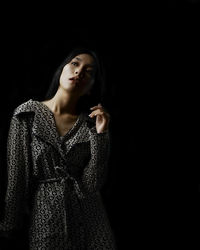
97 90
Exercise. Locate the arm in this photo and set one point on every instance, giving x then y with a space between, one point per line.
18 159
95 172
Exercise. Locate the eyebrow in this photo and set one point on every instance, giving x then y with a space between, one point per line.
79 59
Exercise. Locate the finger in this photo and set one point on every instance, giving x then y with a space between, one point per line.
99 105
96 112
96 107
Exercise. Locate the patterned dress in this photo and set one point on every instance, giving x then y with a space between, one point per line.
55 181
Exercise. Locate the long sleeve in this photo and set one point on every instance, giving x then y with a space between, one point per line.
18 160
95 173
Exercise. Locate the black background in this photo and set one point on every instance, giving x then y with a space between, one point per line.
183 3
151 59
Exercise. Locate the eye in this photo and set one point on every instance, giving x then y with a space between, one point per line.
90 71
74 63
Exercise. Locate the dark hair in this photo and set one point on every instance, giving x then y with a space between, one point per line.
97 90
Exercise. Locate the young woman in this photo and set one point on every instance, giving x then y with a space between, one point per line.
57 154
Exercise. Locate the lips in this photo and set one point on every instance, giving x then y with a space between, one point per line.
75 78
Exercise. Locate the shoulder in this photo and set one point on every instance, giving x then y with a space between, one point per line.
25 107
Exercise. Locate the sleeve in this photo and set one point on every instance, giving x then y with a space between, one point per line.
95 172
18 159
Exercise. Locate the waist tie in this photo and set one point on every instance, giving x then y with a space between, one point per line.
63 180
72 213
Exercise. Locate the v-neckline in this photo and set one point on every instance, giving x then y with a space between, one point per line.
68 133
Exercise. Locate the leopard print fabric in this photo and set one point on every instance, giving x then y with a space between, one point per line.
56 181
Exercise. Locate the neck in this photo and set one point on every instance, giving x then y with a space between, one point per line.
64 102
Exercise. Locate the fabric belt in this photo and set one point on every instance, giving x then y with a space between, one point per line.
65 179
76 220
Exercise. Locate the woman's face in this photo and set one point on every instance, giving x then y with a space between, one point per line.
78 75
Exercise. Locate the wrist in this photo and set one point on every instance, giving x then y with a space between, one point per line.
94 130
102 132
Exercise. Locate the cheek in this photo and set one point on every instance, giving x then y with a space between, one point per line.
86 82
90 81
67 70
87 85
66 73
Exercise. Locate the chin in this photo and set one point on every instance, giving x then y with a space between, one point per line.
66 86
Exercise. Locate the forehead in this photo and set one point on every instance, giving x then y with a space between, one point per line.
85 58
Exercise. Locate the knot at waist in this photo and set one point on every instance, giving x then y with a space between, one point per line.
66 180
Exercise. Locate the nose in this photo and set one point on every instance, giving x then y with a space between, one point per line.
79 72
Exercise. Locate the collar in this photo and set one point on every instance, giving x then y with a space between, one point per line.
43 125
